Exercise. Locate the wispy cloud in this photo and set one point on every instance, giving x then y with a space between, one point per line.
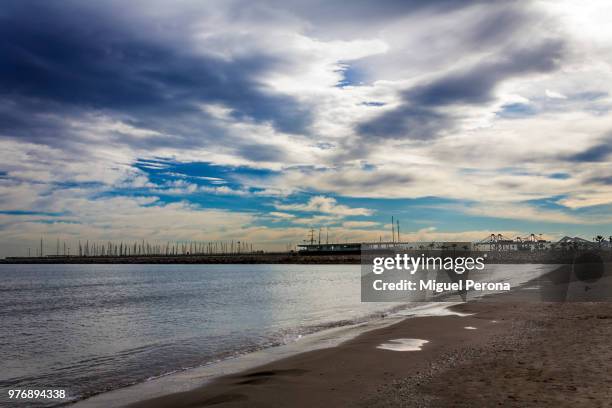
325 205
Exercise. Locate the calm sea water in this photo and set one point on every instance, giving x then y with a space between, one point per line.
91 328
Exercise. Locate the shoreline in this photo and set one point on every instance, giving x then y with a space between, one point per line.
193 378
456 366
357 370
261 258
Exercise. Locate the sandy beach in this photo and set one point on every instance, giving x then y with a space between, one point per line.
502 354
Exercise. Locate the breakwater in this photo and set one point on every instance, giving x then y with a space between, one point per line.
249 258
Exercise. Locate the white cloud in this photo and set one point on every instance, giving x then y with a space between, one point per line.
224 190
281 215
326 205
588 199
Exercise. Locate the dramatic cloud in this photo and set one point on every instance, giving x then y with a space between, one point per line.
55 63
276 116
420 114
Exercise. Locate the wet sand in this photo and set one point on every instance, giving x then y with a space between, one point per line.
505 354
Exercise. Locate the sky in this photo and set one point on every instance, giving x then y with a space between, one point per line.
256 121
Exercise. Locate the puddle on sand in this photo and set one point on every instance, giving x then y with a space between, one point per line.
469 328
403 345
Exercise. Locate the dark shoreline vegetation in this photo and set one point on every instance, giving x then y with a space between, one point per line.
492 257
